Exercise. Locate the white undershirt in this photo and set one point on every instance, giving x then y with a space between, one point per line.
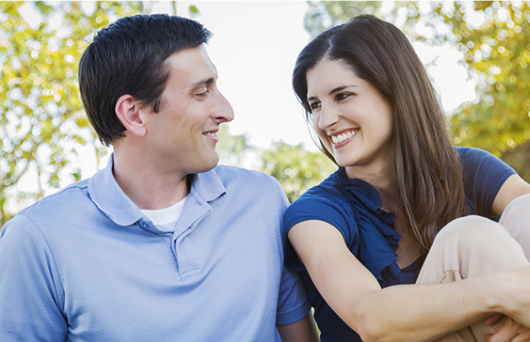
166 219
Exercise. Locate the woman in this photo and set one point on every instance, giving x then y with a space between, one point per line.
373 223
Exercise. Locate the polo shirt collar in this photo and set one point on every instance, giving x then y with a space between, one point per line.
110 198
113 202
208 185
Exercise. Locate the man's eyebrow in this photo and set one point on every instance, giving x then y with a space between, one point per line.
336 90
202 83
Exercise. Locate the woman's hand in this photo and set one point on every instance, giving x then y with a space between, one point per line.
510 331
517 302
516 328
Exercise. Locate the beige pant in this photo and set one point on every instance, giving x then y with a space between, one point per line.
472 246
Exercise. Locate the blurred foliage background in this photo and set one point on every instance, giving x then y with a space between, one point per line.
42 123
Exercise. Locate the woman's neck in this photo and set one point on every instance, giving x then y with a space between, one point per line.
383 179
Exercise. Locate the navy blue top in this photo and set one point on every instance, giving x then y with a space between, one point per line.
353 207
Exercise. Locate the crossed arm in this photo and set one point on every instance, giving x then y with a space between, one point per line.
406 313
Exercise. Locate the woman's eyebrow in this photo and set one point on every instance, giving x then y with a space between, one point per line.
335 90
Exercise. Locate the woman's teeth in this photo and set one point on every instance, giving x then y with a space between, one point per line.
341 137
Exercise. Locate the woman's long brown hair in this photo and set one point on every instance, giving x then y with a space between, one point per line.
428 168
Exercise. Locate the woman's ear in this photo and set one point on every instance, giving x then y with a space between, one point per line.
128 112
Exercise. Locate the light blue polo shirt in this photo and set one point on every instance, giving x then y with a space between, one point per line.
86 265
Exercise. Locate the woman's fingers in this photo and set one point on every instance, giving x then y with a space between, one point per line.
493 319
511 331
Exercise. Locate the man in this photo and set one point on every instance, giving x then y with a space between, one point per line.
161 245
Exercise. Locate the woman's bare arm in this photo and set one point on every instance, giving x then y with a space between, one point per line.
405 312
512 188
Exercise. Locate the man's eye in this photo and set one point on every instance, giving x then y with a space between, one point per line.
202 92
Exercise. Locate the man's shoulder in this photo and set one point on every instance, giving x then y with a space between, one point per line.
243 182
226 170
51 212
233 174
59 201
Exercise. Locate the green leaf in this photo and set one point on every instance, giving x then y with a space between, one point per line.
194 11
43 7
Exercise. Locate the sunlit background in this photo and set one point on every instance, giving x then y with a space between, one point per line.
254 47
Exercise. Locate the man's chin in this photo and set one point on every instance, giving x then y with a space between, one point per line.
210 163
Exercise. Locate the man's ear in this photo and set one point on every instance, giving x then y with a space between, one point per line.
128 111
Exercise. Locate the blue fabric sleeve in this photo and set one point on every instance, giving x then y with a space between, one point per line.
292 301
31 293
315 205
484 175
292 304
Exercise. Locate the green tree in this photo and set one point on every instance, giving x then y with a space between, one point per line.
496 50
322 15
296 168
41 116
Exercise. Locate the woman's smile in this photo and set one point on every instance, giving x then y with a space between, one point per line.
342 138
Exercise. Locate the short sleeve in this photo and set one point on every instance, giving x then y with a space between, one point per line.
323 204
30 290
292 303
314 207
292 299
484 175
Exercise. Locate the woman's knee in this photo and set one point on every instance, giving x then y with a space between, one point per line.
474 234
519 206
471 228
520 202
516 219
477 245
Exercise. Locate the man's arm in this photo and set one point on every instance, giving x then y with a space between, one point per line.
294 320
304 330
31 293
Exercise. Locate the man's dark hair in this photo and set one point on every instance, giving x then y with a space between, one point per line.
128 57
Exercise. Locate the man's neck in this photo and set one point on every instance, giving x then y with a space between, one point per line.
146 184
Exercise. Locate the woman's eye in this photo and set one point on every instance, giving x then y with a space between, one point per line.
315 105
342 96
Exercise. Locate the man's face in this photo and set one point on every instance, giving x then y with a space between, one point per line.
182 135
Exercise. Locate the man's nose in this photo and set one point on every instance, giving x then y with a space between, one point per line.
224 111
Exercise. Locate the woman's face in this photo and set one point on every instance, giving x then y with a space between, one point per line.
351 117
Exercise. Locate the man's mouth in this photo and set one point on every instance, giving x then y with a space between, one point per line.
212 135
